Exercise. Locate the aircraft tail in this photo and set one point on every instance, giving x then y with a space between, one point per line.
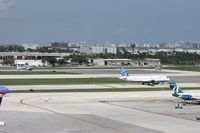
175 89
123 72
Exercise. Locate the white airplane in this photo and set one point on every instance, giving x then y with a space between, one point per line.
186 97
24 67
3 91
150 80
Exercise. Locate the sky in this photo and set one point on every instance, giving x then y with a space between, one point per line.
139 21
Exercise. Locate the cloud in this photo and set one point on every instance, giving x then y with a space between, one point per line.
5 4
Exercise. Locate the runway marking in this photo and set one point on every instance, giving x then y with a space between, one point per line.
106 85
66 115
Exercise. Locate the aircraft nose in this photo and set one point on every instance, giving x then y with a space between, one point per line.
4 90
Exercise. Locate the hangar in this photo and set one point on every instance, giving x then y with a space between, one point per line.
148 62
28 58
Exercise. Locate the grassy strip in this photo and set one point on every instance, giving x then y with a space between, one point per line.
99 90
186 68
62 81
33 72
7 67
93 67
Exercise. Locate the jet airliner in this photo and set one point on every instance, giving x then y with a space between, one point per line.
150 80
186 97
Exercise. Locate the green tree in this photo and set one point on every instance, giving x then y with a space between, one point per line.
61 62
9 62
81 59
52 61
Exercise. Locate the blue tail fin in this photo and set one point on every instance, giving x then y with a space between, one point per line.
123 72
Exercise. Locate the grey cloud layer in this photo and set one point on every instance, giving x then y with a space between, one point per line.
5 4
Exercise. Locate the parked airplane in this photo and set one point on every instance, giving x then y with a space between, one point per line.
186 97
3 91
150 80
24 67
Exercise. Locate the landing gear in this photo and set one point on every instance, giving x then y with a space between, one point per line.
197 118
184 102
178 106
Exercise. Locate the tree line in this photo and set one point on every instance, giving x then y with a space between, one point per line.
176 58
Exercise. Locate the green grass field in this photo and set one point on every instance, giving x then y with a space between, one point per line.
64 81
77 67
99 90
33 72
95 67
184 68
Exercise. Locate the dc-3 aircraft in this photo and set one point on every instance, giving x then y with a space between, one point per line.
3 91
186 97
149 80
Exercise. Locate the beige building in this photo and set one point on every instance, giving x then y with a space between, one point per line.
28 58
127 62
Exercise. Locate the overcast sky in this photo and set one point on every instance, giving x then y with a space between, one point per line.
140 21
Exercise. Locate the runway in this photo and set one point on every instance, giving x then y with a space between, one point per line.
107 73
102 112
95 113
183 78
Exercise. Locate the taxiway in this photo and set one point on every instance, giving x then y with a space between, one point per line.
127 112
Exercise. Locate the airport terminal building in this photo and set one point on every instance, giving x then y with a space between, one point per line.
36 59
128 62
29 58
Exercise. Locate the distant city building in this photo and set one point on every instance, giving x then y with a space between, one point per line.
102 48
59 45
193 45
30 46
85 49
98 49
